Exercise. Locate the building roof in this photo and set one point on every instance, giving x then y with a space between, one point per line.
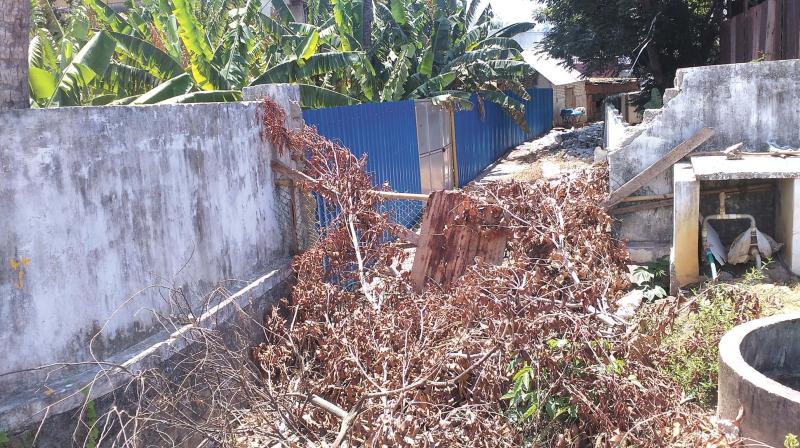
550 68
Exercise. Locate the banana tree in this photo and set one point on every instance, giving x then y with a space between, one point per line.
445 51
158 51
206 50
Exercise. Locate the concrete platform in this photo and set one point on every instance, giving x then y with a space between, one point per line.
750 167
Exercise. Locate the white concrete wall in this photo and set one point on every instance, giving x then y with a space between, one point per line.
104 203
559 95
752 103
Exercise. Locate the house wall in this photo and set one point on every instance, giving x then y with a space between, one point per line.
757 103
108 210
560 99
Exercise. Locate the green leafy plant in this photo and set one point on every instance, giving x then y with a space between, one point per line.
693 346
90 414
529 396
791 441
4 440
526 399
754 275
160 51
652 279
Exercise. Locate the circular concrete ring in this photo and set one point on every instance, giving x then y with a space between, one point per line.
747 354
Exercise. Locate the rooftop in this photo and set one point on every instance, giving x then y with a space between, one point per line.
552 69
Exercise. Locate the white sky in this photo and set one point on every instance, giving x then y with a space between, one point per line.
509 11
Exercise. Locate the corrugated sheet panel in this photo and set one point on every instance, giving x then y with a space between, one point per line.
387 134
480 142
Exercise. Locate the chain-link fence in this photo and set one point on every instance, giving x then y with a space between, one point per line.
296 213
302 216
406 212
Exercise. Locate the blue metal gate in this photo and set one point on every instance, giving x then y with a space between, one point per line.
387 133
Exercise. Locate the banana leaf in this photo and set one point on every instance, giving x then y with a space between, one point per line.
313 97
214 96
179 85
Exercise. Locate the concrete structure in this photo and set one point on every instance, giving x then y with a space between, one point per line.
107 211
598 89
688 180
569 87
684 259
757 104
788 226
761 382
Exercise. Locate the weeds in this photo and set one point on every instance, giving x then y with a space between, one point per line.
652 279
692 347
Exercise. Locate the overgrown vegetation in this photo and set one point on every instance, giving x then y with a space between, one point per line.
178 51
529 351
692 347
524 351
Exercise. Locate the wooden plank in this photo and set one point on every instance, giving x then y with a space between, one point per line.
391 195
773 38
298 176
665 200
451 240
659 167
641 207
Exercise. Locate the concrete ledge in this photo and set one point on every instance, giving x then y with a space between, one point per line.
750 356
30 407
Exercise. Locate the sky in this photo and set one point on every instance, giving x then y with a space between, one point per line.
509 11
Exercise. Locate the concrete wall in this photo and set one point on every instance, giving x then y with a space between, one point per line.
751 103
559 96
104 207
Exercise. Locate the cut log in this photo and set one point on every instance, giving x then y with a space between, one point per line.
659 167
452 240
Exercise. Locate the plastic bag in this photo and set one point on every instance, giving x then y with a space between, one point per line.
740 249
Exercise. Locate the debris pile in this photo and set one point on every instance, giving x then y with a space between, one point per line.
580 142
520 348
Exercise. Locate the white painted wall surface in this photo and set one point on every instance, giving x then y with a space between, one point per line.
100 205
752 103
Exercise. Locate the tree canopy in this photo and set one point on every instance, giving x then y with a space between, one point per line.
653 37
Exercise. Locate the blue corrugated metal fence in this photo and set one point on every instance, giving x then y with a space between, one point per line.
479 143
387 133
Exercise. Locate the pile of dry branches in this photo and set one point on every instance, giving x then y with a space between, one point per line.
358 358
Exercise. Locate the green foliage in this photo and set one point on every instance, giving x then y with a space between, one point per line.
791 441
527 400
655 38
90 414
652 279
693 346
754 275
4 440
162 49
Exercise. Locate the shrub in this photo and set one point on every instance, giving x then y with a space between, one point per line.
692 347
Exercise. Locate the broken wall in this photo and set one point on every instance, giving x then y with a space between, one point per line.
755 103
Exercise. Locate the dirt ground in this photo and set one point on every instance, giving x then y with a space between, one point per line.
557 152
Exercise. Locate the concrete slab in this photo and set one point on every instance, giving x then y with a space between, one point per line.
751 167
